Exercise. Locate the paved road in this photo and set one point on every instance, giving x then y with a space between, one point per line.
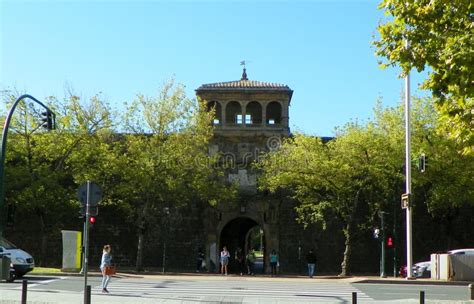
224 289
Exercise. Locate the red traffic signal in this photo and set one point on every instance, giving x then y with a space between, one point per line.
92 220
389 242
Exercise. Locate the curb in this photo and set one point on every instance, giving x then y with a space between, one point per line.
354 279
89 274
414 282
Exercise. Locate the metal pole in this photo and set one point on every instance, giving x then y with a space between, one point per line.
395 240
408 174
422 297
382 243
87 300
86 241
354 298
24 291
164 256
83 244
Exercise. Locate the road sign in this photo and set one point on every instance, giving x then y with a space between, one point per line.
405 200
95 195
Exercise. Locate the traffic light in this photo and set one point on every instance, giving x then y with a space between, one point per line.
47 119
92 221
377 233
389 242
422 161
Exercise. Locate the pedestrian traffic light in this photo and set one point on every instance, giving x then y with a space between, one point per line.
92 220
389 242
377 233
47 119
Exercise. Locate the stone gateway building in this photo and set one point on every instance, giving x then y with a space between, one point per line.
251 118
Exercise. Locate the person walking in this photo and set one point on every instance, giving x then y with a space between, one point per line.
239 258
274 262
311 260
199 260
225 256
250 259
106 261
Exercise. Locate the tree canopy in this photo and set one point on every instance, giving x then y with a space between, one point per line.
360 172
436 36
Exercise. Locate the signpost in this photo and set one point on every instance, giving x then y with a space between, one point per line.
89 194
405 200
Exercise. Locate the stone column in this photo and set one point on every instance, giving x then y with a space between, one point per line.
284 114
243 106
223 111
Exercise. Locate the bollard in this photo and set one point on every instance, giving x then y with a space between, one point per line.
422 297
24 289
88 295
354 298
471 291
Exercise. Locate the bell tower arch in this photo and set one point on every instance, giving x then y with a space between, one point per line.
251 117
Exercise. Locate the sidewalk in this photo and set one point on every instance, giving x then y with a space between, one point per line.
129 273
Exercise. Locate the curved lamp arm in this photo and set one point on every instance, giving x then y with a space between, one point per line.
4 148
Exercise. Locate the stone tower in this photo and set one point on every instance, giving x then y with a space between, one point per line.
251 117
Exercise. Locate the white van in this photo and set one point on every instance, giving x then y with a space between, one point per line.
21 261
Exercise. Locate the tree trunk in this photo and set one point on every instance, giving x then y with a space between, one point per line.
141 234
141 241
348 231
347 252
43 240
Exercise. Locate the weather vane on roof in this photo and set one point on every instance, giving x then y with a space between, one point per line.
244 73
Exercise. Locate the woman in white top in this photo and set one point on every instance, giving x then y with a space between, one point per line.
225 256
106 261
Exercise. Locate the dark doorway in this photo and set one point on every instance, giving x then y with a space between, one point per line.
241 232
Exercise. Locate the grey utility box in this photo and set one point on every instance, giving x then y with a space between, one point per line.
4 267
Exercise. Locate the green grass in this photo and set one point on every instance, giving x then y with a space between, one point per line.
46 269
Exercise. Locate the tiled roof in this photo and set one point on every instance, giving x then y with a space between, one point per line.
244 84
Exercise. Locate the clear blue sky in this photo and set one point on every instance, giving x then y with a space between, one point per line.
320 49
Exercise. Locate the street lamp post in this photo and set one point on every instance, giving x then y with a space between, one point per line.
408 175
4 147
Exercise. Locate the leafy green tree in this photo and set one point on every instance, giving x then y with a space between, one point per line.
39 174
361 172
163 158
440 35
334 180
445 188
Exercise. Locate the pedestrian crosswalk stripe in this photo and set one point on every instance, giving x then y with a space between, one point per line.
235 289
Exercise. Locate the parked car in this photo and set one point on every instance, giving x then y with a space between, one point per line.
467 251
22 262
419 270
422 270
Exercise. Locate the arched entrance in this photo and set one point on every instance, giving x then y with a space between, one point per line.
245 233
